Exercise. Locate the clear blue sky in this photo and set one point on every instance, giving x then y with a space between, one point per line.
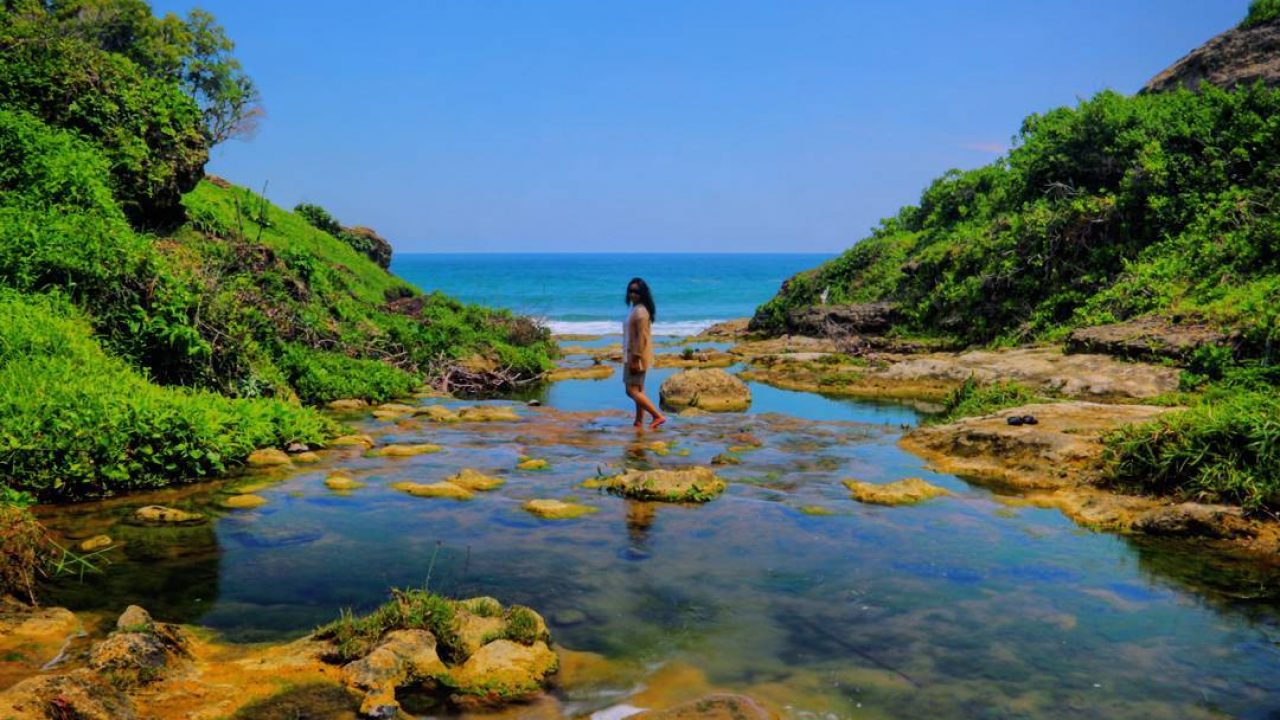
663 126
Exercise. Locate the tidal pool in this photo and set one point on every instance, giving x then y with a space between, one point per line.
783 588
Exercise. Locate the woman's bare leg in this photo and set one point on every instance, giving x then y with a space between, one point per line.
643 405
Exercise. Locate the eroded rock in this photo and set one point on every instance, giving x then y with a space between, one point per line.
403 656
502 671
81 694
140 648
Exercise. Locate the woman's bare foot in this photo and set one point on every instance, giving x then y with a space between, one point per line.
657 422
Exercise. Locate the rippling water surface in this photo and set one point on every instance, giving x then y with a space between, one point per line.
784 588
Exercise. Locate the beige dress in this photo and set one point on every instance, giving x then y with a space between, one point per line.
637 341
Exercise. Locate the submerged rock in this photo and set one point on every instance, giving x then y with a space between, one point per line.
244 502
307 457
719 706
398 450
434 490
342 482
437 413
903 492
97 542
268 457
692 484
161 515
528 463
557 509
347 440
712 390
488 413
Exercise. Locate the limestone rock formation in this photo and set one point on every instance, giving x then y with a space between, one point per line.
707 389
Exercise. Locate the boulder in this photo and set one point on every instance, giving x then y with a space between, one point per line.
708 389
347 405
369 243
692 484
475 480
502 671
398 450
557 509
434 490
902 492
140 648
161 515
268 457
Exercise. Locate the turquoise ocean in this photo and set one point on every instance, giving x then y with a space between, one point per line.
583 293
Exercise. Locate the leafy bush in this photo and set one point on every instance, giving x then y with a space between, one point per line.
320 376
319 218
1261 11
77 423
1226 448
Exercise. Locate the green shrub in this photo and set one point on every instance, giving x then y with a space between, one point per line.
318 376
355 636
319 218
1226 448
25 548
1261 11
76 423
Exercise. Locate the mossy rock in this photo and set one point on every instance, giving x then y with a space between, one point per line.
711 390
268 457
488 413
342 482
691 484
557 509
437 413
903 492
475 480
247 501
434 490
532 464
400 450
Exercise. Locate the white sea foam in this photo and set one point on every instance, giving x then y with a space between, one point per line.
682 328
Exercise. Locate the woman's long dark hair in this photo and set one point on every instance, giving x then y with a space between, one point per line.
646 297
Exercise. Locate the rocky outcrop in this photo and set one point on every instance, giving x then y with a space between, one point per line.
841 320
82 694
691 484
403 656
1062 449
1240 56
369 243
1150 338
708 389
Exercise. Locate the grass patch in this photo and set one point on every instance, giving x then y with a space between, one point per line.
1225 448
355 637
975 398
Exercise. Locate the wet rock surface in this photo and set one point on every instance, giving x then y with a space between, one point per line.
719 706
902 492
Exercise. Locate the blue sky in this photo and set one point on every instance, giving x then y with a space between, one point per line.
691 125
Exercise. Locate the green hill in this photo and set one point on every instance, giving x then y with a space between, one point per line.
155 327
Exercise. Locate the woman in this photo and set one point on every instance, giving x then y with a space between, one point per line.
637 350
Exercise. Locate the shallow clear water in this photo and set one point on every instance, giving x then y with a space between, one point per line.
965 606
